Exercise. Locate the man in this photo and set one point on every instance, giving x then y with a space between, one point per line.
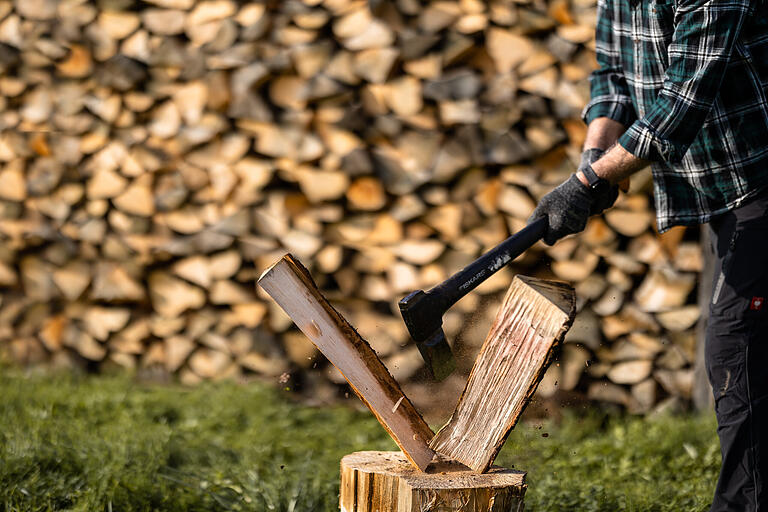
683 86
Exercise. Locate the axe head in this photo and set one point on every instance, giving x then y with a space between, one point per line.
423 315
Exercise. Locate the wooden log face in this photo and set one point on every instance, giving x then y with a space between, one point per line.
384 481
289 283
531 322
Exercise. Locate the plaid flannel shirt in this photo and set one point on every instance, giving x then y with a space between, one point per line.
689 79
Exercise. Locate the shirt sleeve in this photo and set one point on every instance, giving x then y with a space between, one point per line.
608 89
702 43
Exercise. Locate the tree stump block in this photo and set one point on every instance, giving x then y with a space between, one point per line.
387 482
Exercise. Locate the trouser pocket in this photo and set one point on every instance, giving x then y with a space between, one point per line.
740 287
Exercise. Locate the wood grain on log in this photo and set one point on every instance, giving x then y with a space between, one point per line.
290 284
530 324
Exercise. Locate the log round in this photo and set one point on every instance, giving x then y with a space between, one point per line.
387 482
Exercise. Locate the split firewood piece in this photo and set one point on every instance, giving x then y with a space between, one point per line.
372 481
13 186
79 63
101 322
508 49
573 363
52 332
672 239
688 257
291 286
664 289
36 278
164 22
643 397
84 344
131 339
630 372
679 319
320 186
72 279
171 296
367 194
607 392
578 268
629 223
676 382
529 326
208 363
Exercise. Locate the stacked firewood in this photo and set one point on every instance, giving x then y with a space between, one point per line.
156 156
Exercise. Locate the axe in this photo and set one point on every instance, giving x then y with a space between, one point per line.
423 311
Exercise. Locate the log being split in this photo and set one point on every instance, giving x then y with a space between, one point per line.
290 284
529 326
385 482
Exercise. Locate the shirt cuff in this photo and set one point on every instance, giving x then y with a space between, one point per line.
642 141
618 108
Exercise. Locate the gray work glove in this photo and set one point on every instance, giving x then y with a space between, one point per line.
568 207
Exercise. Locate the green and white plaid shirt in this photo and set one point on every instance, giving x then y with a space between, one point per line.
689 78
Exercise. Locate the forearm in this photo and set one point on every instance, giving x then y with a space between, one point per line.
616 164
602 133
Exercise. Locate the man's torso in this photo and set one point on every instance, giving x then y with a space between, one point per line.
728 161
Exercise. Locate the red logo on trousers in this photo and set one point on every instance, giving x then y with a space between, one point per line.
756 304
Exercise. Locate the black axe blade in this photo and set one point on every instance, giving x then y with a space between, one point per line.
423 311
423 317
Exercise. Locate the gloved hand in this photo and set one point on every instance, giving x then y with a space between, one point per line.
568 207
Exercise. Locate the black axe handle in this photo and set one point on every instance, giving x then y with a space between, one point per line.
468 278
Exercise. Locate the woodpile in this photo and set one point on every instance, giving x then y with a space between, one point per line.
155 158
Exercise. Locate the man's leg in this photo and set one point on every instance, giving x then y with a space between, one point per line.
737 355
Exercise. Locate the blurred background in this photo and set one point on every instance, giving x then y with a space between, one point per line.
156 156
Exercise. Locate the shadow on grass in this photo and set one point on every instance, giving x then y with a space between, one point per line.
107 443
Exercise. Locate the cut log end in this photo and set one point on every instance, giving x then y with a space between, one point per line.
372 481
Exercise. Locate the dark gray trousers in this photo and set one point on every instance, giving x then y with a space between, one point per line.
737 355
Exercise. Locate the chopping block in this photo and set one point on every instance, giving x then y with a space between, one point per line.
386 482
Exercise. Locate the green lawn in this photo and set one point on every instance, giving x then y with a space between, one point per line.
107 443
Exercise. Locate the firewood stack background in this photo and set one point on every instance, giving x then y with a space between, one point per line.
156 156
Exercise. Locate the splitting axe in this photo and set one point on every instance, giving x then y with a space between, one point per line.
423 311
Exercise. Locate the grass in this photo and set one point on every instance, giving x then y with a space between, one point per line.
110 444
604 463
